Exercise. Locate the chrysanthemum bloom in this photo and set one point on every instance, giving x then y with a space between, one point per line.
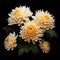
19 14
45 46
10 41
31 32
45 19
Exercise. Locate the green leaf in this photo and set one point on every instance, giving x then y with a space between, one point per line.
50 33
21 51
7 29
11 28
35 49
26 49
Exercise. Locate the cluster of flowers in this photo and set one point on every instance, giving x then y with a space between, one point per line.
31 30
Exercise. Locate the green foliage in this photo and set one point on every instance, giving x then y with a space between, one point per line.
25 48
9 29
21 50
35 49
50 33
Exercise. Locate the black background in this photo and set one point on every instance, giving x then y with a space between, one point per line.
52 6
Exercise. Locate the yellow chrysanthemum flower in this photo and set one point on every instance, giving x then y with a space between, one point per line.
19 14
45 46
31 32
45 19
10 41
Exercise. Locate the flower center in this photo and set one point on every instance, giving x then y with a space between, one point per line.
10 41
31 32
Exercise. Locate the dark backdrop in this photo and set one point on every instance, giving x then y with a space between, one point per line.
51 5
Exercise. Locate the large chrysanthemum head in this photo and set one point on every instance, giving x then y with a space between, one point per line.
45 46
31 32
45 19
10 41
19 14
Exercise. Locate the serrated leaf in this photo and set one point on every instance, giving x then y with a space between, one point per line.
50 33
